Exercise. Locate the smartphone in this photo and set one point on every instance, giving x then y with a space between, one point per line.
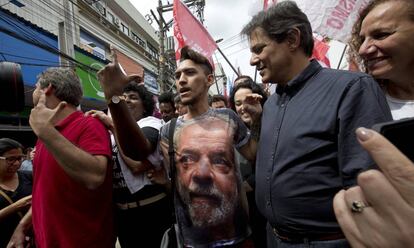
400 133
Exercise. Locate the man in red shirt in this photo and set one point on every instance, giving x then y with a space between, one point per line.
72 186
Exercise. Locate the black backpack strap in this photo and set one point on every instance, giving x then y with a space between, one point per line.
171 151
174 237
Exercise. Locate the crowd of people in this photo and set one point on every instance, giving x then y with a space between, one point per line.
297 168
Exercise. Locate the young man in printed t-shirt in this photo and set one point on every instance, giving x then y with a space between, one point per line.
210 204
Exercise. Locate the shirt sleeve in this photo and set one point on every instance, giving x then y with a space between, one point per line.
152 136
94 138
363 105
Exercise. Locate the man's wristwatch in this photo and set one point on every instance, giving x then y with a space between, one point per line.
115 99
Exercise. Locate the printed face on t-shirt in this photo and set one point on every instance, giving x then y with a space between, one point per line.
207 179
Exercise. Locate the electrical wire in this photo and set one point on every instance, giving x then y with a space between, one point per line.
23 57
34 38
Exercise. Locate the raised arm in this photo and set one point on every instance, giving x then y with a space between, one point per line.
131 139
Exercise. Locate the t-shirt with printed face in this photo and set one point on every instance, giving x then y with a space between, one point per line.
210 203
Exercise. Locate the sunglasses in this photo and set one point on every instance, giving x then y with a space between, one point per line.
13 159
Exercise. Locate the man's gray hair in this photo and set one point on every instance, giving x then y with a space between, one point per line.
279 20
65 82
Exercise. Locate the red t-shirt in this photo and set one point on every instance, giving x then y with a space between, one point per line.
65 213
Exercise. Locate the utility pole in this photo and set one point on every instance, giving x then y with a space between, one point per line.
163 26
162 58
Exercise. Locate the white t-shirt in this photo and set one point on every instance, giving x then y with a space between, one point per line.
400 109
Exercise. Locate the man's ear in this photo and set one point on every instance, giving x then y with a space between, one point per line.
210 79
49 89
293 38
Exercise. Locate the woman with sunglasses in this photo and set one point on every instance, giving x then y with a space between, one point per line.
15 188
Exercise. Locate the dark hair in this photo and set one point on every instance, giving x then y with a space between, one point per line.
7 144
279 20
146 97
167 97
188 53
242 77
218 98
65 82
356 41
248 84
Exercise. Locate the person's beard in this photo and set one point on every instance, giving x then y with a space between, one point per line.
203 215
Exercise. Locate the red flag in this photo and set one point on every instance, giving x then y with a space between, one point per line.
189 31
320 51
268 3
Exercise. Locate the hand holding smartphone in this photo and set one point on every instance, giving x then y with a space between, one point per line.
400 133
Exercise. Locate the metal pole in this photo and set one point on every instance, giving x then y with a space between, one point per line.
162 72
228 62
255 75
342 56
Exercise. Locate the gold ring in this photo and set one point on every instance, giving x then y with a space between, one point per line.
357 206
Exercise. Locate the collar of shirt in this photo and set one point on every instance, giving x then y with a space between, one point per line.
63 123
299 81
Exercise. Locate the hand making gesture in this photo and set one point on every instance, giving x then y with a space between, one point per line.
251 105
43 118
113 78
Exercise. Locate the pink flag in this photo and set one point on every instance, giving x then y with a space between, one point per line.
189 31
268 3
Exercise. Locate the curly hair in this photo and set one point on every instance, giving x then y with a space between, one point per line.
167 97
247 83
356 40
146 97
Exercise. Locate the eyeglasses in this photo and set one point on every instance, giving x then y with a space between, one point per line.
13 159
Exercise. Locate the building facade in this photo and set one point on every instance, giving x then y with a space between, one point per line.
76 33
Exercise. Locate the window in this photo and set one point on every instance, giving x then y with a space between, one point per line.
138 39
152 50
124 29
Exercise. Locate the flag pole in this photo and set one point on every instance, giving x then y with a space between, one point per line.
224 56
342 56
255 74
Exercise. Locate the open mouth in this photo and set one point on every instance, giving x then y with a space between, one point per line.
184 90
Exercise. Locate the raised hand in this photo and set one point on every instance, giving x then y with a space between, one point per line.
113 78
384 216
42 118
251 105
